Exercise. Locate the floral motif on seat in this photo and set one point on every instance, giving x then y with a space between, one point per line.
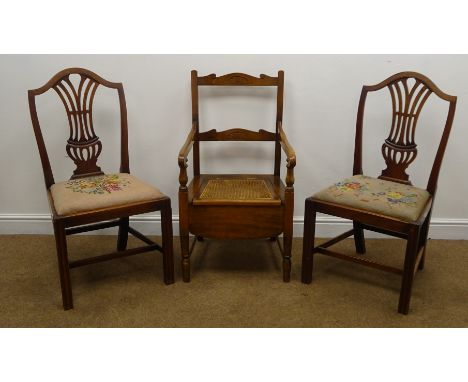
351 186
101 184
396 197
101 191
377 195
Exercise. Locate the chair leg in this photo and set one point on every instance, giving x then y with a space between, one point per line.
288 232
412 247
423 258
64 269
184 233
423 241
287 249
184 248
167 244
359 240
308 242
122 238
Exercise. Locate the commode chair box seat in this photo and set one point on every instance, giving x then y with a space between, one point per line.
236 206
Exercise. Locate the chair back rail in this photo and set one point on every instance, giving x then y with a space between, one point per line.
237 134
399 150
83 145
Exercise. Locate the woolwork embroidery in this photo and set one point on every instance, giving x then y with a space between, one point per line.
362 190
102 184
395 197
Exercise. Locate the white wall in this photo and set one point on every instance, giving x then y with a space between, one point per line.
321 97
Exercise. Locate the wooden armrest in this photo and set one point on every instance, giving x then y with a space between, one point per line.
290 156
287 148
183 154
184 151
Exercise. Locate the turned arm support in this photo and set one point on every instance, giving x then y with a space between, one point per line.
290 156
183 156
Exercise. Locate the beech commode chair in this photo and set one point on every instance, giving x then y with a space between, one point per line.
242 206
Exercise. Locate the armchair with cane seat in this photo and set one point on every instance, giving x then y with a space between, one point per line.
236 206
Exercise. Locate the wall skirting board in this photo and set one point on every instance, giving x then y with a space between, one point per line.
441 228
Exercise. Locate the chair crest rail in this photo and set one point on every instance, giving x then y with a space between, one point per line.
237 79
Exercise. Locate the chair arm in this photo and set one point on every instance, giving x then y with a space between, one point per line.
290 155
183 156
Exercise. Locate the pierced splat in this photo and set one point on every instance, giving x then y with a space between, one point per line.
399 149
83 145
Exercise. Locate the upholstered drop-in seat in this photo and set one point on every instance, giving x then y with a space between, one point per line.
102 191
379 196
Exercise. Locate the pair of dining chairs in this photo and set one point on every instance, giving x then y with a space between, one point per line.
250 206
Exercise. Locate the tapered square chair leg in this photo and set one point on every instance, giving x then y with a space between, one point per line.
308 242
167 243
122 238
63 265
359 240
412 247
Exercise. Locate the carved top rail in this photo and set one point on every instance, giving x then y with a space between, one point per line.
409 92
83 145
237 79
66 73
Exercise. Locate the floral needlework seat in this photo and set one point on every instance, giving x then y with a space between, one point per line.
392 199
102 191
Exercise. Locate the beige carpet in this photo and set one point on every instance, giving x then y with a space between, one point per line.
234 284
